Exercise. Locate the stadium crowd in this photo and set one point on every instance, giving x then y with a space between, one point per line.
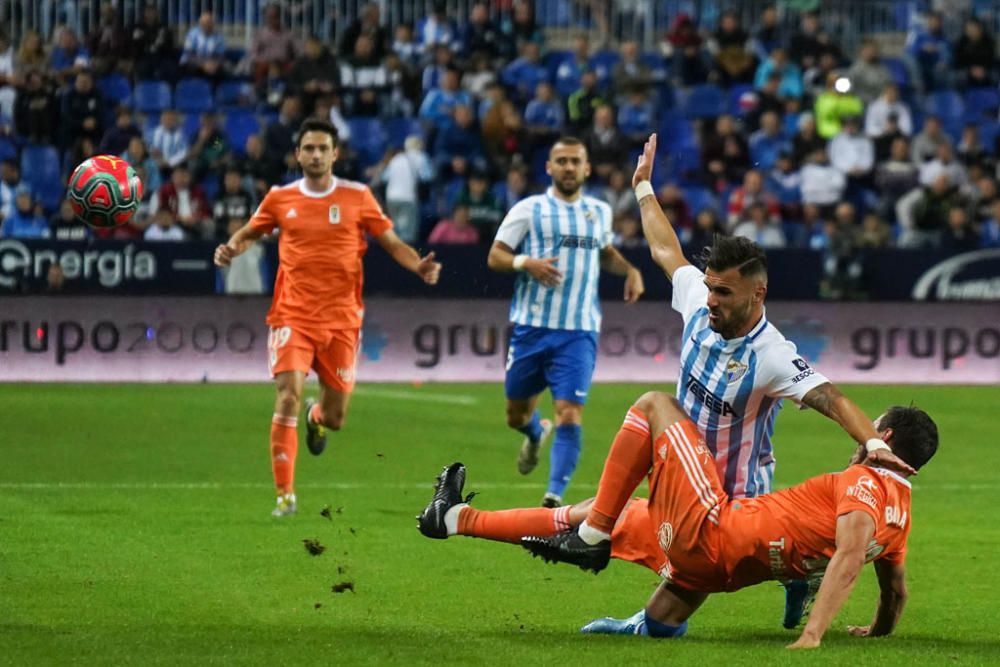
779 136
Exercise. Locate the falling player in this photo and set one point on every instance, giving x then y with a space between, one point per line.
700 541
315 317
557 242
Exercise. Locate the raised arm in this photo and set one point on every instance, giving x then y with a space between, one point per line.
408 258
892 599
238 243
827 400
613 262
663 242
854 532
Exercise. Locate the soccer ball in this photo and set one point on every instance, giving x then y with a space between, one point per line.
104 191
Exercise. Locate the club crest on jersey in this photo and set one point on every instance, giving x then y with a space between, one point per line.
735 370
334 215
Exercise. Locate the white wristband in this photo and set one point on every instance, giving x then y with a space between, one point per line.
519 261
644 189
875 444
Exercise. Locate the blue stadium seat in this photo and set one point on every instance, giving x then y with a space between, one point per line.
152 96
193 96
676 134
656 64
603 63
981 103
239 125
699 198
399 129
553 59
704 101
40 169
190 124
116 89
8 149
945 103
989 131
369 139
899 71
234 93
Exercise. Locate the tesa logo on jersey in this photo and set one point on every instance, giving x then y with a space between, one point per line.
334 215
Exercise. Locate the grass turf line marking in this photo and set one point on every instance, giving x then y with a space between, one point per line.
347 486
429 397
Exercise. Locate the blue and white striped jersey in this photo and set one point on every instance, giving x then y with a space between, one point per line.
544 226
733 388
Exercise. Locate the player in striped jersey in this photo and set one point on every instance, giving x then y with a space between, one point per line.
736 368
558 243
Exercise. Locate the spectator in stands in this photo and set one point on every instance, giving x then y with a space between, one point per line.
928 47
725 156
442 59
606 146
895 177
890 132
984 194
970 148
766 143
108 43
512 189
480 34
233 205
835 104
707 226
989 233
368 24
571 69
365 80
958 234
484 209
672 201
637 116
868 75
437 29
153 46
137 155
805 46
734 61
975 55
31 55
69 57
36 111
767 37
406 46
313 73
186 203
279 139
885 106
8 92
944 163
502 129
789 74
210 150
619 195
874 233
926 143
627 231
459 141
455 230
164 227
763 100
853 154
822 184
630 72
479 75
683 47
204 50
748 195
814 79
116 140
404 173
785 181
65 226
522 75
841 263
26 221
582 103
922 218
273 44
10 182
258 174
757 226
438 104
169 144
82 111
523 27
544 116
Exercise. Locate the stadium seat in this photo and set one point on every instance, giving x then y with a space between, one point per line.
553 59
603 63
8 149
699 198
989 131
657 65
239 125
152 96
234 93
116 89
369 139
945 103
899 71
193 96
704 101
399 129
981 103
190 124
41 170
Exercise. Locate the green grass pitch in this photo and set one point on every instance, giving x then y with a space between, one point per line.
135 528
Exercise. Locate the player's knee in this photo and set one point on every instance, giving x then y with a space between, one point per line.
569 414
659 405
517 417
288 402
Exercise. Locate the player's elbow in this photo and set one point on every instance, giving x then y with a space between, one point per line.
495 260
665 258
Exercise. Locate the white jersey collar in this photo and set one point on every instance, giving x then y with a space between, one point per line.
317 195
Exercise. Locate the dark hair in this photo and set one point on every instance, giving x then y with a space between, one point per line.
914 434
727 252
317 125
569 141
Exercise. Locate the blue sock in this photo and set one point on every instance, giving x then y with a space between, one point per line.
533 429
656 629
565 454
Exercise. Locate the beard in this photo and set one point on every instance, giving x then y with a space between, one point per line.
567 187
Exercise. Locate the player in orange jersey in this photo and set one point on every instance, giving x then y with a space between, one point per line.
316 314
702 542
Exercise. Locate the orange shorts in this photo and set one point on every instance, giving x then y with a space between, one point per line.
333 354
676 532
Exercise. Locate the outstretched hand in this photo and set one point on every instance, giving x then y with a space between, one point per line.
644 168
884 458
428 269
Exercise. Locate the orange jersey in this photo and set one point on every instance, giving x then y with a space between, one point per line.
791 534
320 245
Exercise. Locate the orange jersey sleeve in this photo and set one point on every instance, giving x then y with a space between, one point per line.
264 219
322 240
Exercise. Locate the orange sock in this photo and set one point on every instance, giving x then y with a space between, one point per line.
628 462
284 446
512 525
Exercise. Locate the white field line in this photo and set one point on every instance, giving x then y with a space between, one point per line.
349 486
417 395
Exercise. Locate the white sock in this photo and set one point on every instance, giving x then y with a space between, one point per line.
451 518
591 535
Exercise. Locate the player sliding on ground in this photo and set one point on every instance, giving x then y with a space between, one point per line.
699 540
316 314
